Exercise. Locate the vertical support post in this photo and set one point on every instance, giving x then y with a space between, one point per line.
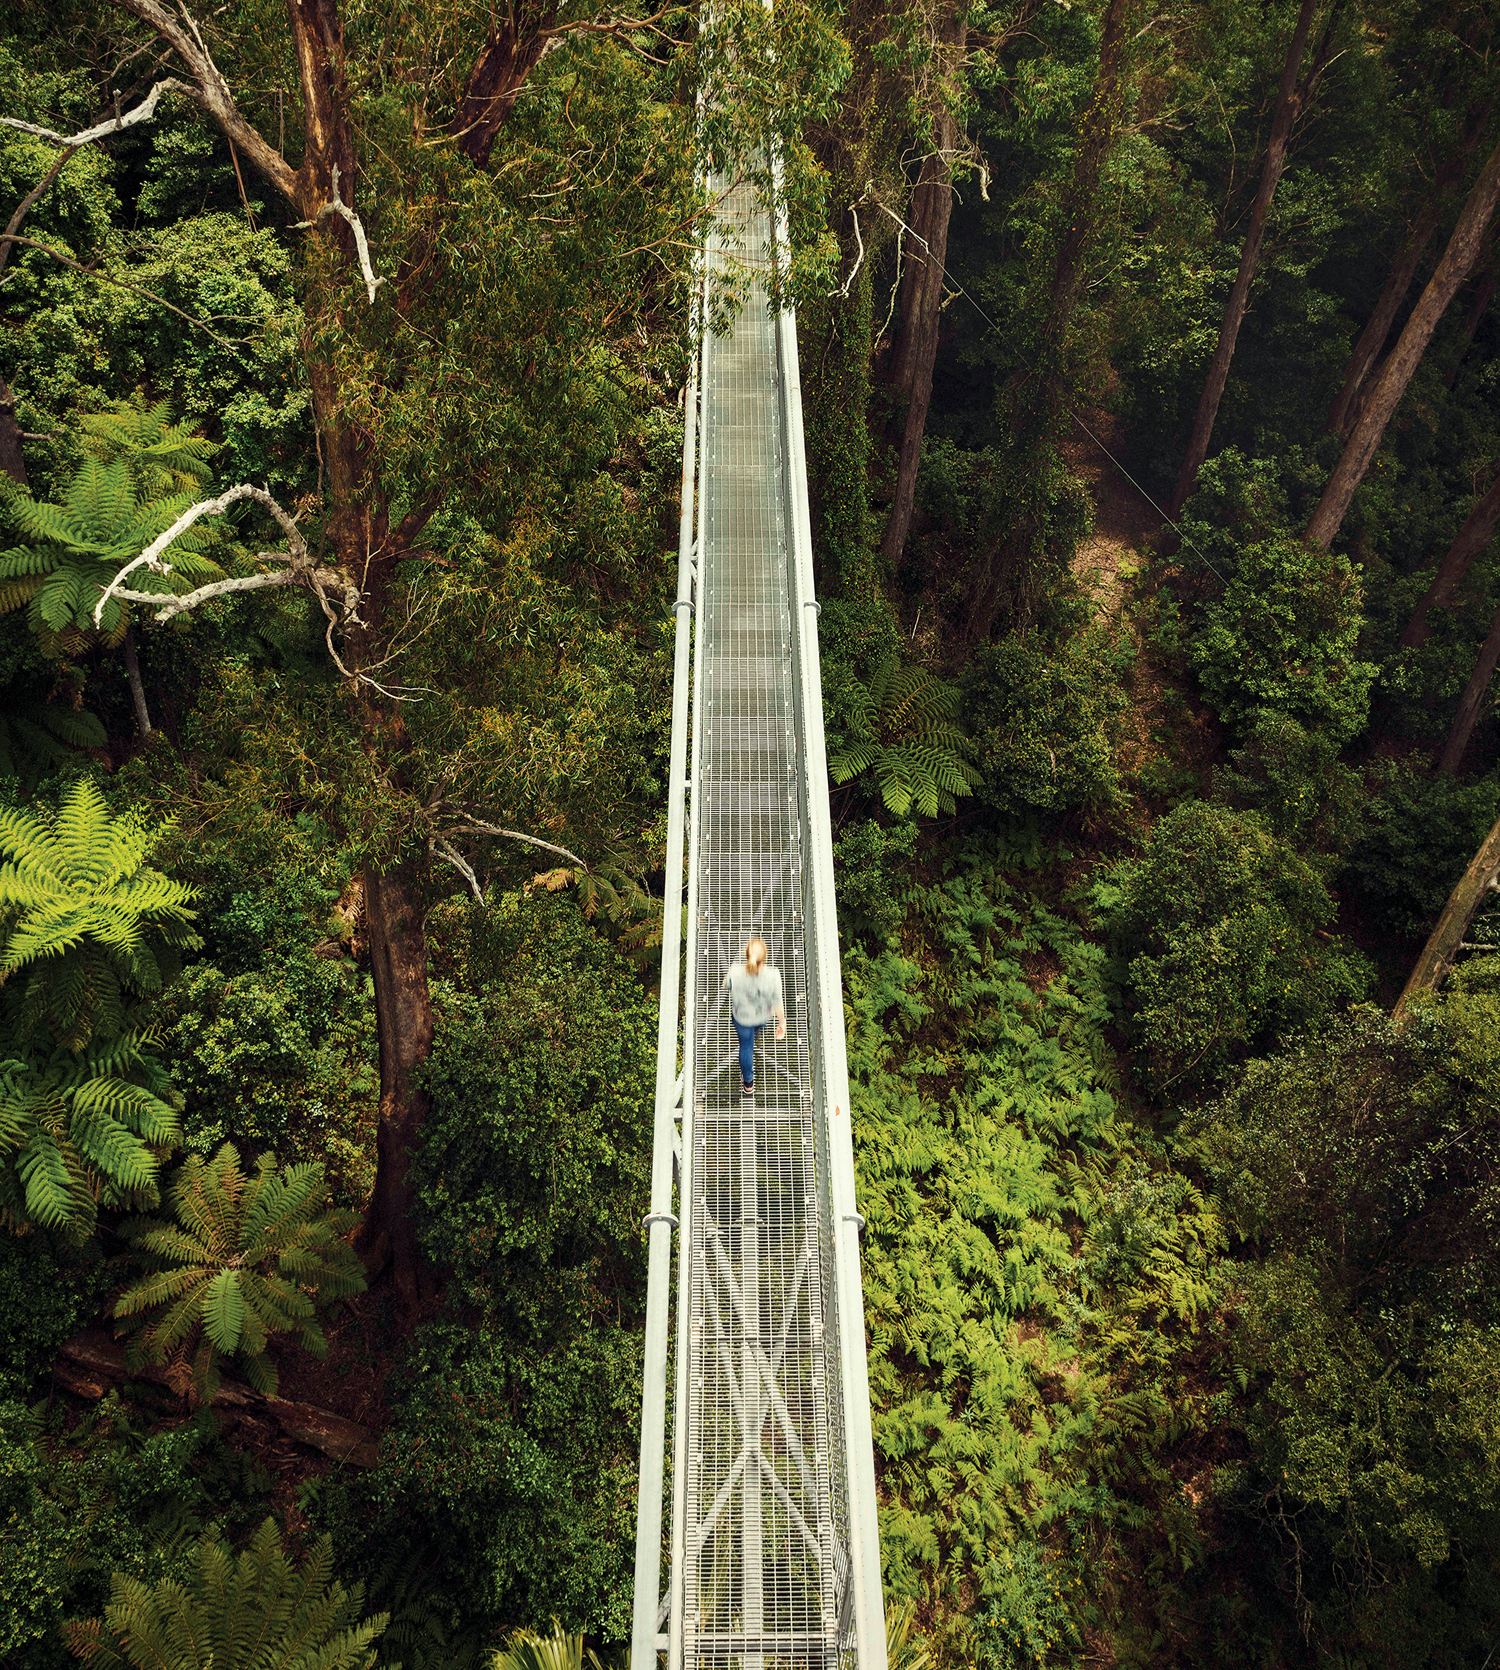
659 1234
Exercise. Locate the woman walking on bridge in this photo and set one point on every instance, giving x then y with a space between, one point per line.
754 987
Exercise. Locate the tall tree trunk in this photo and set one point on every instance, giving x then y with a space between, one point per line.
1289 99
1483 294
1473 536
922 292
1469 702
1446 938
12 461
1391 384
1372 338
365 545
405 1027
137 689
1344 412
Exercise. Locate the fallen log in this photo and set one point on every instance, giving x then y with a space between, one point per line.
93 1362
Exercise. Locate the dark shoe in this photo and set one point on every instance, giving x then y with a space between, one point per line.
747 1090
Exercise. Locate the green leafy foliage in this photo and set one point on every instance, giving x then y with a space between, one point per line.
278 1057
234 1612
1284 639
533 1149
1046 722
84 1109
1295 779
1421 832
128 490
509 1470
907 734
1220 935
49 1288
527 1650
246 1258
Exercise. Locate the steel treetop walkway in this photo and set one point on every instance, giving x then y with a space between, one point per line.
774 1559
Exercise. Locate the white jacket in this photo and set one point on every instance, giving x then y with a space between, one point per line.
754 998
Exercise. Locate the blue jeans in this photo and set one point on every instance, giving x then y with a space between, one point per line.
747 1049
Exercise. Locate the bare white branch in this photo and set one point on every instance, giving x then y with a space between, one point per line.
151 556
143 112
167 608
445 849
519 835
337 206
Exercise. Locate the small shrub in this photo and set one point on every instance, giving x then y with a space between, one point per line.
1218 930
509 1470
279 1057
1294 778
1029 1617
869 901
49 1288
247 1257
533 1150
1046 722
1283 639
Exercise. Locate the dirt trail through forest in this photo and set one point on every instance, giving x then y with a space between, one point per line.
1123 520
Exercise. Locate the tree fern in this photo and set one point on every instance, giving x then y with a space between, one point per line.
96 926
84 1108
910 739
245 1258
142 472
561 1650
254 1611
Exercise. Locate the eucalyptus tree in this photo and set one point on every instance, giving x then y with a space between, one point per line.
491 208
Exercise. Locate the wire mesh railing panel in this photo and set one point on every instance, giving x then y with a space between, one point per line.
765 1561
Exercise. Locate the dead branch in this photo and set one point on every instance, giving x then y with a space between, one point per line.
143 112
151 557
446 850
337 206
517 835
212 92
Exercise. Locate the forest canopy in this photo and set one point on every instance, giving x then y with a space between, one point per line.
1152 400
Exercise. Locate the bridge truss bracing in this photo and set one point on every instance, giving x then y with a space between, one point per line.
773 1559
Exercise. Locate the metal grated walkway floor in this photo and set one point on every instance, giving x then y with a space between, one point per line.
773 1559
764 1508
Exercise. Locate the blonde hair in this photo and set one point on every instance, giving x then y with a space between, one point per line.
756 952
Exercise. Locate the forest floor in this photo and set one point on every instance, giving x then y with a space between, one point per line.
1124 522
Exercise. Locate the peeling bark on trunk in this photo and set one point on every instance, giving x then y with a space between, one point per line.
1469 703
1473 536
922 301
1458 259
1290 97
1442 947
495 83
